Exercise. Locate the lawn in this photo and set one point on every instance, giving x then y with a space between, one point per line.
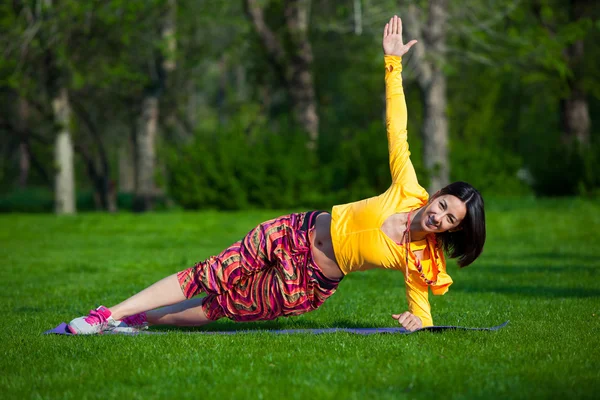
540 270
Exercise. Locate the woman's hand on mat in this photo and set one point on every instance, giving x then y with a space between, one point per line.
392 38
408 321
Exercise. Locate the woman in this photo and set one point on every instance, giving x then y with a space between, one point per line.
292 264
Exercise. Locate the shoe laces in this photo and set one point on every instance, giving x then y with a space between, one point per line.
135 320
95 318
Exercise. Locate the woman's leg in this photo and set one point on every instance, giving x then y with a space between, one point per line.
186 313
215 276
163 293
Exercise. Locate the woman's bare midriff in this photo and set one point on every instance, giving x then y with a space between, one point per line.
322 247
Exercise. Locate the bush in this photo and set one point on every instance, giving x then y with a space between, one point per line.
30 200
490 169
236 170
41 200
567 170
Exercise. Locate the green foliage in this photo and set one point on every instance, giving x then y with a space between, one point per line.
489 170
484 148
30 200
41 200
233 169
564 170
360 166
506 66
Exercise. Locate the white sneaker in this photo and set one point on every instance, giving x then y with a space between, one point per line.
97 321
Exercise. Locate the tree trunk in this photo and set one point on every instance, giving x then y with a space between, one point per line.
64 192
575 118
146 157
24 151
294 66
575 115
435 133
357 17
299 75
111 197
168 34
430 56
97 165
127 166
24 164
241 83
221 90
147 131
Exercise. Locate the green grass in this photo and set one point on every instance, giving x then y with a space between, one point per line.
540 270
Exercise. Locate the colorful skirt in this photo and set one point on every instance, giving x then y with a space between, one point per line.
268 274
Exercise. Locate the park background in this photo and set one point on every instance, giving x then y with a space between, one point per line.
169 128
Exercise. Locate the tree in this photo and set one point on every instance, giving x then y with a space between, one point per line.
148 125
539 47
24 148
292 63
429 57
64 190
575 116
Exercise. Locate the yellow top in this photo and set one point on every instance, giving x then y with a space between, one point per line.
358 241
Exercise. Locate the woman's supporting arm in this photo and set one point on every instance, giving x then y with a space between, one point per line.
417 295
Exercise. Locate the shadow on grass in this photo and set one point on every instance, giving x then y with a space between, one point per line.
529 290
571 265
512 269
227 325
555 255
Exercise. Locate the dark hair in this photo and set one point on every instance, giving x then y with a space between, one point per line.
466 242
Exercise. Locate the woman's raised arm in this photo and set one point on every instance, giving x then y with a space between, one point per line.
396 113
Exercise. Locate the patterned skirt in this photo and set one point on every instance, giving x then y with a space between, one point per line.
268 274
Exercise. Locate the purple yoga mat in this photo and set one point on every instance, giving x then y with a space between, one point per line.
62 330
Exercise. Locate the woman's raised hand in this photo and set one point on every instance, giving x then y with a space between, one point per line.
392 38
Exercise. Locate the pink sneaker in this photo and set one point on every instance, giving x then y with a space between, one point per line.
132 324
97 321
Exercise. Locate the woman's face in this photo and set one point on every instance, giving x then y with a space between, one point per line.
443 213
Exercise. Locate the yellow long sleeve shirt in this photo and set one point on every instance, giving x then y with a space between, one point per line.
358 241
